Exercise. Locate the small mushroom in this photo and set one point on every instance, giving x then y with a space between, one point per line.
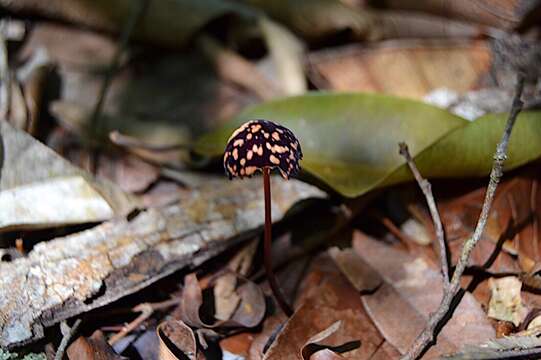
261 145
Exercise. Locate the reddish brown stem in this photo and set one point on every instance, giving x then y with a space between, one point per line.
267 247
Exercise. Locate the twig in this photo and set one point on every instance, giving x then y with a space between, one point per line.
427 191
132 142
136 15
5 77
146 310
67 334
449 294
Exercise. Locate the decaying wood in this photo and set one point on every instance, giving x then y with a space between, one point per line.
74 274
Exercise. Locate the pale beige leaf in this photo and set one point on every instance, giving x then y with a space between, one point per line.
39 189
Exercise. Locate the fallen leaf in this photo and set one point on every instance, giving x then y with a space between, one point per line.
177 341
513 224
412 290
328 298
317 348
505 302
39 189
238 344
325 354
370 127
503 14
318 19
226 298
272 325
380 67
93 348
130 173
356 270
287 54
386 352
249 312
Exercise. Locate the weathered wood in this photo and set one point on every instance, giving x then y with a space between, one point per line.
74 274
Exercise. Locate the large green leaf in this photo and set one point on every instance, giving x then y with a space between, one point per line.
350 141
468 151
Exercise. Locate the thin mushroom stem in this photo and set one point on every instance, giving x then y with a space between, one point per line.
267 247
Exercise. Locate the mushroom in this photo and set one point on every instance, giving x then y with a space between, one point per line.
261 145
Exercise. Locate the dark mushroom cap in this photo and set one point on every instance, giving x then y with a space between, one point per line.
258 144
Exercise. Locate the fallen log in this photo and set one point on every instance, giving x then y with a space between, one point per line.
71 275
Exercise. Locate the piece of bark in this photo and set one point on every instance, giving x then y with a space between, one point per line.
74 274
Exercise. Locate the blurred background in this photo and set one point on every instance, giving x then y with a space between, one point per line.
140 96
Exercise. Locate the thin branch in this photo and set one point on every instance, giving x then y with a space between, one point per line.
427 191
95 124
146 310
67 334
5 77
131 142
428 336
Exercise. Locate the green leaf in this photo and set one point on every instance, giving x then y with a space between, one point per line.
350 140
469 151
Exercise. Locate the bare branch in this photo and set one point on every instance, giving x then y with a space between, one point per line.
427 336
426 188
67 334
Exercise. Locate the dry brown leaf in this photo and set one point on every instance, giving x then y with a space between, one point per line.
358 272
70 47
513 224
249 312
412 290
226 299
411 25
271 327
386 67
386 352
505 14
177 341
93 348
327 298
130 173
317 347
238 344
325 354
